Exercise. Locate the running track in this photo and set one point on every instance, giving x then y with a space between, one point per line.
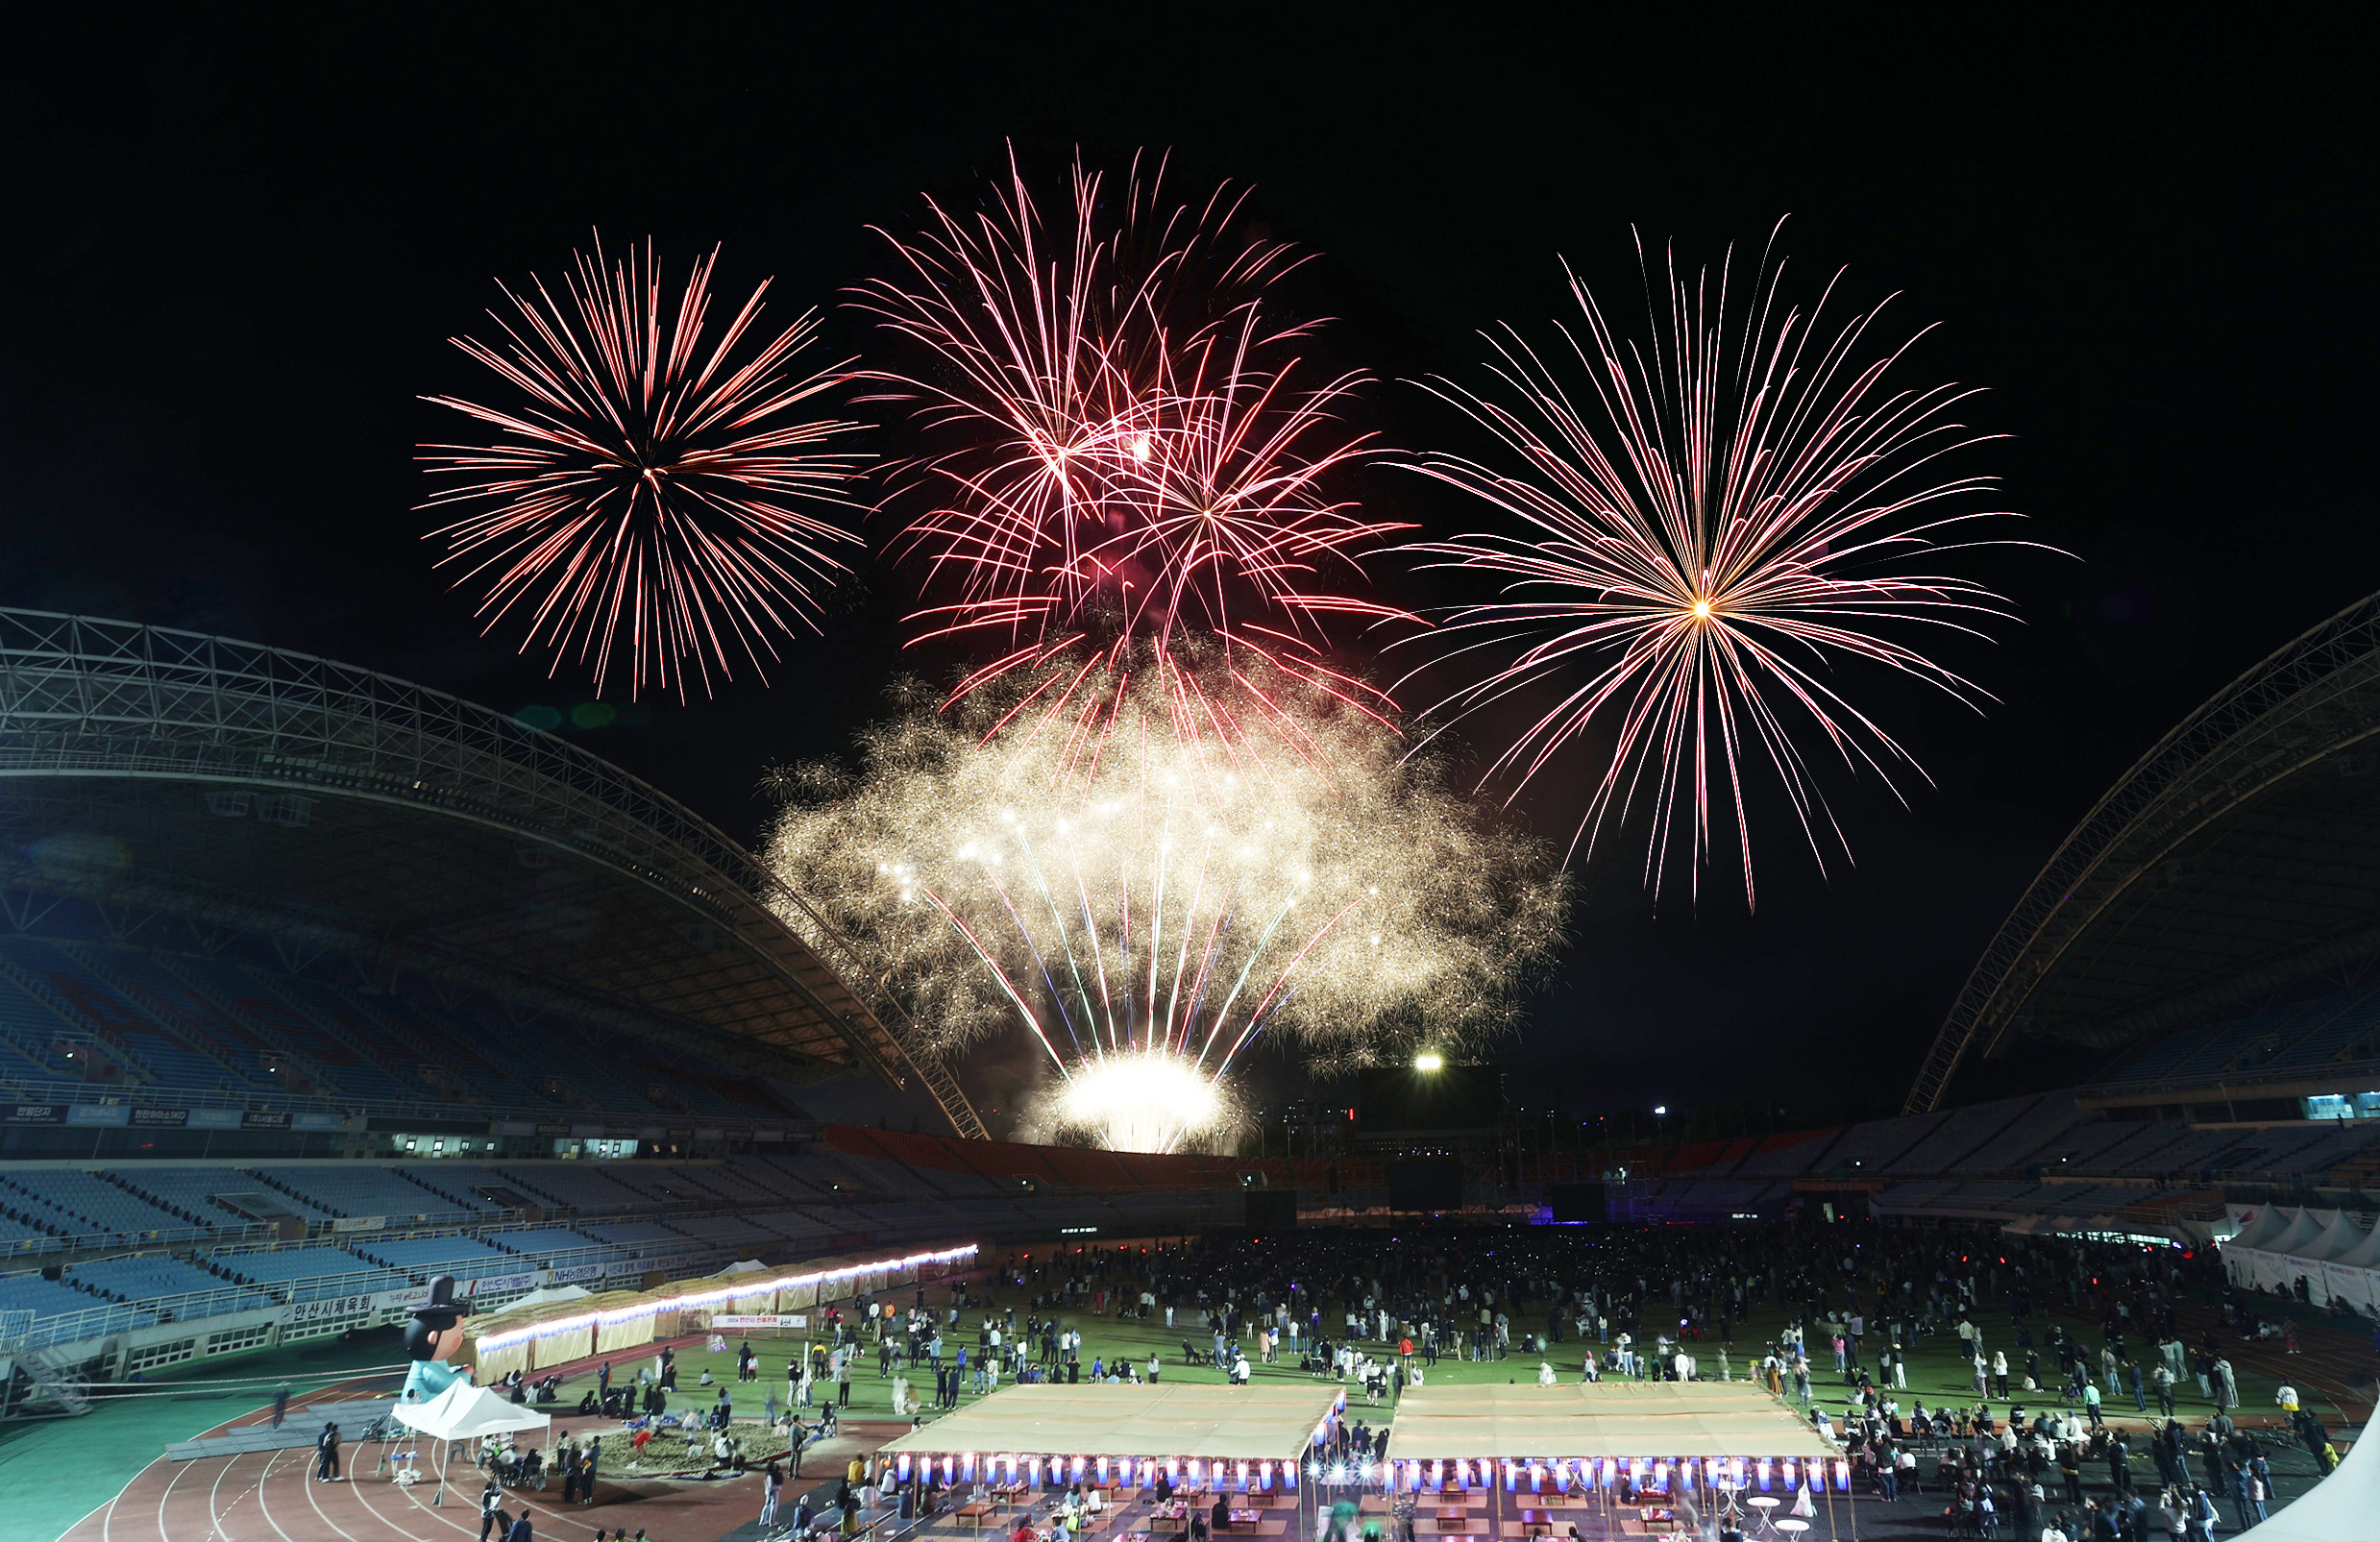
270 1497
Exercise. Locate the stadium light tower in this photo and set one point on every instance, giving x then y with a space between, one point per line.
1661 1113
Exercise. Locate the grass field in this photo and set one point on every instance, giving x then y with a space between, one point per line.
1938 1372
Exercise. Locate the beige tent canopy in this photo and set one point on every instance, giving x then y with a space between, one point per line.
1662 1419
1178 1419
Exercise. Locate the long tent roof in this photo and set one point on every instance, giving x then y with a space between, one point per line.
2263 1226
2309 1224
1600 1419
2340 1238
1168 1420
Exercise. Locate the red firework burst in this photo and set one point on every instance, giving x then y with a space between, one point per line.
1130 446
647 500
1740 516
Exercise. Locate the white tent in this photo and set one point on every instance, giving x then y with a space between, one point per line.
2280 1261
745 1266
2247 1252
2356 1273
2341 1237
466 1412
2259 1225
2339 1506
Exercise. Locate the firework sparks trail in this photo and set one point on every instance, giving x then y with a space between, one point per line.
1133 451
1194 891
645 503
1734 509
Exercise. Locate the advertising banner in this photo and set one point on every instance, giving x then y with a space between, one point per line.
359 1223
580 1273
331 1308
729 1321
92 1113
214 1119
254 1120
37 1114
161 1119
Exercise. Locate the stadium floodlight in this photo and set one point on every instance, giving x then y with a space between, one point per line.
1429 1060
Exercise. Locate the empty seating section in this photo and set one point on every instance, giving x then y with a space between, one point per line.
79 1001
1789 1155
1874 1146
170 1001
354 1067
165 1284
458 1182
463 1257
20 1236
353 1188
2312 1037
48 1298
99 1205
28 1029
741 1182
184 1025
642 1237
726 1229
190 1189
310 1273
1942 1148
584 1187
543 1241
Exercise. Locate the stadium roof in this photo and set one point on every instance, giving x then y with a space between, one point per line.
2241 856
332 810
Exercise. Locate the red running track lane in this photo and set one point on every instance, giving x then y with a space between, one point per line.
272 1497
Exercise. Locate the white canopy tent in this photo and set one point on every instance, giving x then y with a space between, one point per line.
2258 1227
2339 1507
2356 1273
2279 1263
466 1412
2341 1237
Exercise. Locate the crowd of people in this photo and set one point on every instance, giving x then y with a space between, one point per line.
2052 1337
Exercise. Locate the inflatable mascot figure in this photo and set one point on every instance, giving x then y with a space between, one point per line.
435 1332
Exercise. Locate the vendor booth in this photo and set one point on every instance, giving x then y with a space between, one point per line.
1245 1444
1612 1460
622 1322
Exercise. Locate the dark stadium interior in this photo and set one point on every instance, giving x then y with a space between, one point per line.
348 944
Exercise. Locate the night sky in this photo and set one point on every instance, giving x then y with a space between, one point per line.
233 259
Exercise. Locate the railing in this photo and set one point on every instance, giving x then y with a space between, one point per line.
101 1241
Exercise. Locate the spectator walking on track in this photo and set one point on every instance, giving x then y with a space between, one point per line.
327 1455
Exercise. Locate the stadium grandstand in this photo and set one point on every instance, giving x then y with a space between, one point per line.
286 949
267 1075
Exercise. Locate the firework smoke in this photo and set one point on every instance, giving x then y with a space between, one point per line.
1156 871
